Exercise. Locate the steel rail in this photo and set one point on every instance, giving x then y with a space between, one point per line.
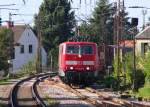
35 91
81 96
96 102
13 93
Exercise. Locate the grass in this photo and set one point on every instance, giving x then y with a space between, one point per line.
51 102
144 92
7 79
27 69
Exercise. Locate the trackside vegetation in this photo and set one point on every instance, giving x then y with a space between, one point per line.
51 102
28 69
4 50
142 79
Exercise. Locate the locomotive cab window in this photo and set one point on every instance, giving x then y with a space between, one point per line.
72 49
86 49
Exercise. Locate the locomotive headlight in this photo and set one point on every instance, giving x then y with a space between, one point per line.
71 68
87 68
79 56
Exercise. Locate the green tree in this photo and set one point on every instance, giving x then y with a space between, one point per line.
56 22
4 52
86 32
101 24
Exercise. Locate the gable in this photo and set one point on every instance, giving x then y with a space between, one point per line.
28 36
145 34
18 30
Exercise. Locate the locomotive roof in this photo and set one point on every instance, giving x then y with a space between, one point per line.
90 43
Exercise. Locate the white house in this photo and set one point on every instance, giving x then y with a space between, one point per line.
27 49
143 41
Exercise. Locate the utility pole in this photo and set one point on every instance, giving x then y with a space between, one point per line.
10 25
38 58
134 59
51 62
102 21
118 30
118 37
134 24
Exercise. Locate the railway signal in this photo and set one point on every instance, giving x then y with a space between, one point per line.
144 12
134 21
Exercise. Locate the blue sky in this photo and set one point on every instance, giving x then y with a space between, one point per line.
84 11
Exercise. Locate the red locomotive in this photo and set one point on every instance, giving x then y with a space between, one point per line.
79 61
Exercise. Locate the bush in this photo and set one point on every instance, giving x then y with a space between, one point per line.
146 67
110 82
125 72
140 79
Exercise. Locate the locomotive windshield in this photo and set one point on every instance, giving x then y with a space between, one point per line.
79 49
72 49
86 49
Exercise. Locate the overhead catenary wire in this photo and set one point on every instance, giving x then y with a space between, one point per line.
19 13
7 5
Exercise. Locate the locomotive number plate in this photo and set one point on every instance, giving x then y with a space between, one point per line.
80 63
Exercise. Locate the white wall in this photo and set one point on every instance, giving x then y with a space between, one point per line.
139 47
26 39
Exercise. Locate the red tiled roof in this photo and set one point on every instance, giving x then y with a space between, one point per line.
17 30
127 43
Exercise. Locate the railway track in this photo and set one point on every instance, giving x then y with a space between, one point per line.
96 97
91 97
98 100
108 100
118 100
101 99
14 101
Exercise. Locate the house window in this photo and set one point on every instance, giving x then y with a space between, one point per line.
30 49
144 48
22 49
13 54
